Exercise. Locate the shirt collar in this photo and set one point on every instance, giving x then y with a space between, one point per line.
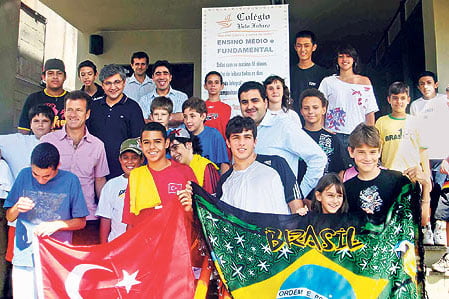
62 134
170 92
133 79
122 100
267 120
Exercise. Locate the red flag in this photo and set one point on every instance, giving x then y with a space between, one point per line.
150 261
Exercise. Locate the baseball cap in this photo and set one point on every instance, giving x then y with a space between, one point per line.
180 132
131 144
54 64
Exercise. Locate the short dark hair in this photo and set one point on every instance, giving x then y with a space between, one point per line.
195 103
87 63
213 73
45 155
397 88
196 143
351 51
306 33
79 95
364 134
161 63
249 85
427 74
286 103
140 55
41 109
154 126
313 92
162 103
325 182
238 124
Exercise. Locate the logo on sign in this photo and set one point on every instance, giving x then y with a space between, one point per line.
226 23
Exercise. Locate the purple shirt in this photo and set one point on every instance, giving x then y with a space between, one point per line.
87 161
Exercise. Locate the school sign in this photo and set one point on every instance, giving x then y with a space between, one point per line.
244 43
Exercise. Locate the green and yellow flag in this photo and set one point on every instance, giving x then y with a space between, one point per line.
315 256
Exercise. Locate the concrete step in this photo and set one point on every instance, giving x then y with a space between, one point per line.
437 284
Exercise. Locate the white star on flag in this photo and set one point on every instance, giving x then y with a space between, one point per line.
229 247
284 252
213 240
128 280
212 219
263 265
240 240
345 252
266 249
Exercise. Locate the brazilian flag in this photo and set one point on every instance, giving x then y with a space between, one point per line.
314 256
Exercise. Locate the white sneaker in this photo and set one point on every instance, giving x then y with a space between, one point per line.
439 235
427 235
442 265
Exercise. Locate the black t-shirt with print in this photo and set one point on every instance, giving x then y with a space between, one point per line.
41 97
376 195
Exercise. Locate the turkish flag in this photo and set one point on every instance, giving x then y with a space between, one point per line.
149 261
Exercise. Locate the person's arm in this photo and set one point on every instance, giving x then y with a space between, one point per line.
211 177
23 131
297 206
105 229
444 166
308 150
99 183
369 119
424 161
415 174
224 167
47 228
23 205
176 119
185 197
24 123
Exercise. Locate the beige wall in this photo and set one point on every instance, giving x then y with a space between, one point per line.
176 46
436 38
9 18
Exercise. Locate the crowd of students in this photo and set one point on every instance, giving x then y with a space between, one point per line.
134 144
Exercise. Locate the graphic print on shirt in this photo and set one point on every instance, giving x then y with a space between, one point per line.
211 116
370 200
336 119
47 205
359 96
121 193
173 187
394 136
59 120
325 142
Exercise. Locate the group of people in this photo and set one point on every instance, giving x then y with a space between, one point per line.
134 145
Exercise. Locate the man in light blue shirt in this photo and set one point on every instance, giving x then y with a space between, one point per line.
139 84
278 135
162 76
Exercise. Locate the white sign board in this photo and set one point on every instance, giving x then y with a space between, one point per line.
246 43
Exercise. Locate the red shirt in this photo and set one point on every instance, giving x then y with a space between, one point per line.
218 115
168 181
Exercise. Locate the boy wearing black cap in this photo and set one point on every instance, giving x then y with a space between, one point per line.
53 96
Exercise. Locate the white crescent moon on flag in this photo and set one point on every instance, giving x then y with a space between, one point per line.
73 280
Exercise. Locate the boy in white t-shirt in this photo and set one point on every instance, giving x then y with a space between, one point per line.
110 205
